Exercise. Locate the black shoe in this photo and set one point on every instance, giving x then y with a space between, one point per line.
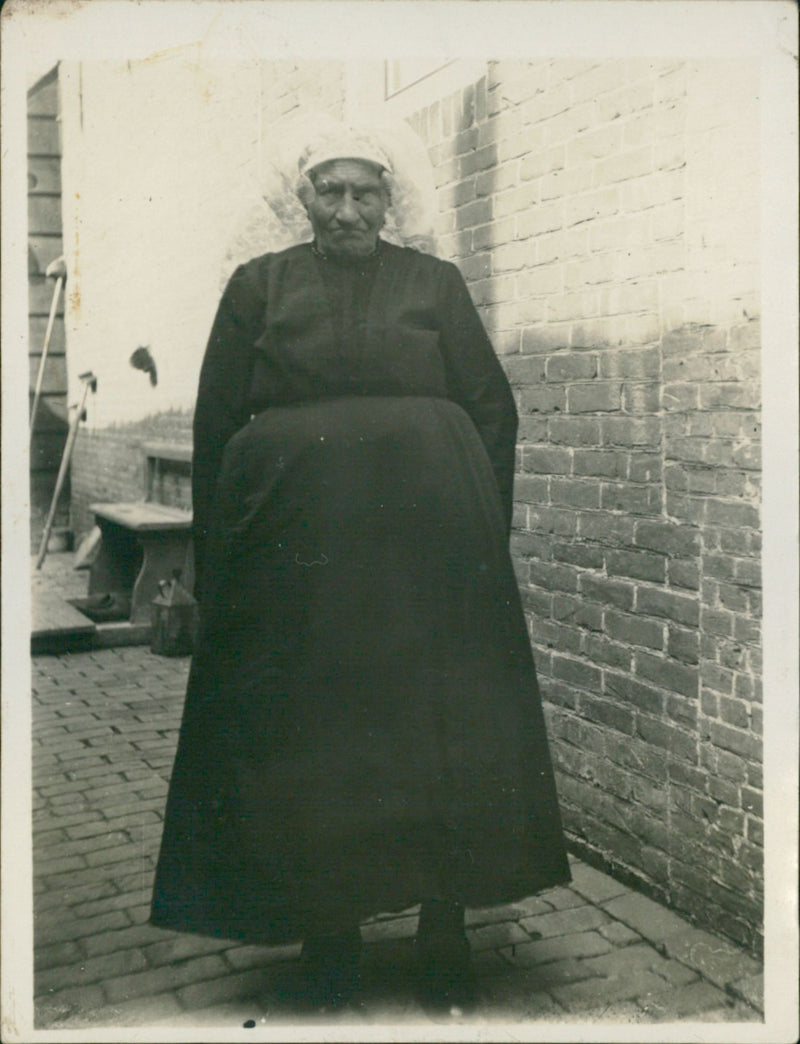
445 977
331 967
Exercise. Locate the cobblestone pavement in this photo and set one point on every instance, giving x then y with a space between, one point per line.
104 732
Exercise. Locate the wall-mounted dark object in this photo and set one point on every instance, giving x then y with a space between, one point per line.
141 359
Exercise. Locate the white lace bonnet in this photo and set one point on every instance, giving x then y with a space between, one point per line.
275 218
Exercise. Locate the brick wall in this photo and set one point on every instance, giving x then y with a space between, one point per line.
619 282
109 465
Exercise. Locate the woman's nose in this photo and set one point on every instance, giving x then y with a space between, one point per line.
347 212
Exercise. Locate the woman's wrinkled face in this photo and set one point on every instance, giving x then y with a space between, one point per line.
347 208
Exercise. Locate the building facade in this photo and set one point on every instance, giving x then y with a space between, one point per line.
46 348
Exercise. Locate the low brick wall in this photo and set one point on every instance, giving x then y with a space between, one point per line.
108 465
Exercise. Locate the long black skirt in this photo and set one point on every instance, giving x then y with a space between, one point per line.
362 727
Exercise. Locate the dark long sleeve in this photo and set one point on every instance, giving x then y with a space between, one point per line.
223 395
478 381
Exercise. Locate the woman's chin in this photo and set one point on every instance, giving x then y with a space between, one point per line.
351 246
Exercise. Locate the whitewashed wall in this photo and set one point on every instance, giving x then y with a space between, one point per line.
159 155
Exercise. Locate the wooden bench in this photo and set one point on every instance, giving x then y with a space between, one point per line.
142 543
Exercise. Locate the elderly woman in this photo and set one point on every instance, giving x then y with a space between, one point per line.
363 730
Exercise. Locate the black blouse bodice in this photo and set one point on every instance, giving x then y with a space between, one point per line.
348 285
294 327
333 328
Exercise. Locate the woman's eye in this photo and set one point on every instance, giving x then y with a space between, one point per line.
327 190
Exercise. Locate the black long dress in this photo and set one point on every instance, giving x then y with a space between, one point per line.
362 726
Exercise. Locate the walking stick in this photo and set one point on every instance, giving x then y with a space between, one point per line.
55 270
89 382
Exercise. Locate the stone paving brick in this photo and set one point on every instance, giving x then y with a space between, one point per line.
153 787
564 899
562 922
619 934
162 762
141 879
139 914
493 936
675 972
103 826
583 944
131 775
492 914
95 773
136 1012
92 970
74 708
516 997
84 845
59 900
46 764
692 999
750 989
50 932
646 916
181 947
630 959
230 987
554 973
105 793
76 801
624 1012
86 724
716 959
123 939
170 977
148 835
487 963
47 866
74 812
123 901
54 1007
51 733
578 996
56 955
75 760
397 928
593 885
737 1012
63 787
411 911
103 736
119 854
45 820
166 746
242 958
135 805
